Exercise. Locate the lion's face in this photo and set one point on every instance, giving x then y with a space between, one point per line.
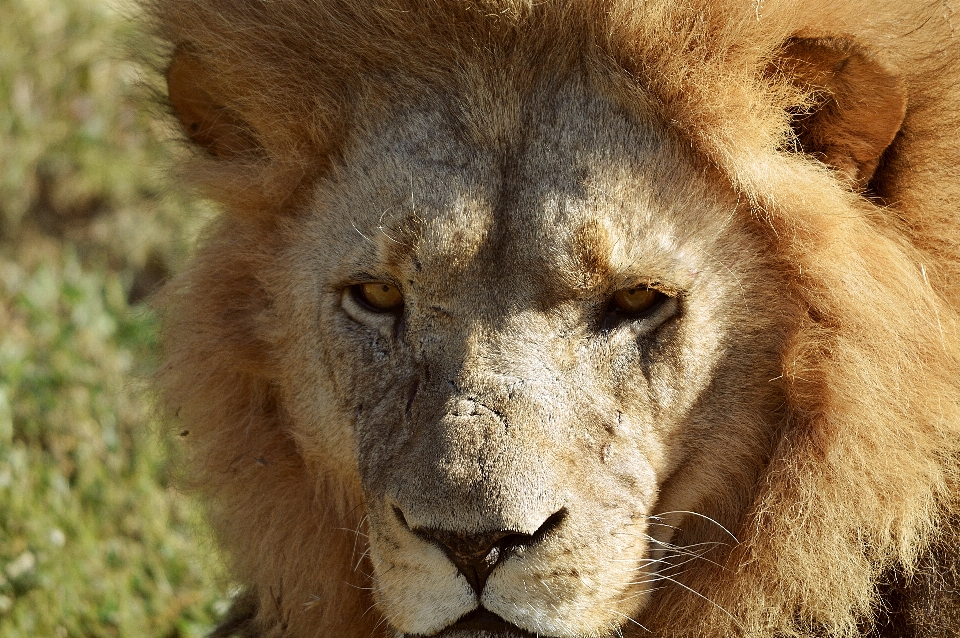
544 347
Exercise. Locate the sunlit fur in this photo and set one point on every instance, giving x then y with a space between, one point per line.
861 478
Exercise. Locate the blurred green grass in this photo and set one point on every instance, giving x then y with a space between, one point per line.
93 539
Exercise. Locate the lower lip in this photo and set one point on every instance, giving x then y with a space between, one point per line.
487 621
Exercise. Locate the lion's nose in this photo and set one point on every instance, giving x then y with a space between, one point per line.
476 555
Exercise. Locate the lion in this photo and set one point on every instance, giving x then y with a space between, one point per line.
572 318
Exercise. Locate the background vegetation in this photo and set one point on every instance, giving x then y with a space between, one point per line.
93 540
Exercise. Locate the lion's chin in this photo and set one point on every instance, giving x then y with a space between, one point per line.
482 623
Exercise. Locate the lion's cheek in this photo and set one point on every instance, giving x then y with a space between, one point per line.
417 588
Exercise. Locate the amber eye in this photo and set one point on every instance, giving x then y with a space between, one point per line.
636 301
378 296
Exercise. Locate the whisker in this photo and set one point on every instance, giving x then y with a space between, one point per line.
682 549
377 626
360 560
360 587
695 592
360 232
702 555
638 594
658 524
631 620
703 516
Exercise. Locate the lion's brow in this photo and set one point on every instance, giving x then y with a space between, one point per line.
590 250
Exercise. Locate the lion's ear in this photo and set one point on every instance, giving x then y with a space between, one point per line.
204 117
859 103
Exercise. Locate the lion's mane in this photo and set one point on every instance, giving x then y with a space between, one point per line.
861 491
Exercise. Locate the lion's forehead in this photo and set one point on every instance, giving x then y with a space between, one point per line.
556 205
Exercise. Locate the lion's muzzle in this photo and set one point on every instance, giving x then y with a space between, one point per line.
477 555
471 519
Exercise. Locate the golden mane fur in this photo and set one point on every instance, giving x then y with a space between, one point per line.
860 490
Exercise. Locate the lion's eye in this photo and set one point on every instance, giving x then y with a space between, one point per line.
378 296
636 301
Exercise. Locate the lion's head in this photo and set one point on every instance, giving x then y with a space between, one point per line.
532 359
566 319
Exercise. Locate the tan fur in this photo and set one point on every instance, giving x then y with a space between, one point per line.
774 458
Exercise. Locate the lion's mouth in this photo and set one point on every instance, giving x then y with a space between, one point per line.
482 623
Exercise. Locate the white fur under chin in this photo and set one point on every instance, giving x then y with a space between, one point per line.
469 634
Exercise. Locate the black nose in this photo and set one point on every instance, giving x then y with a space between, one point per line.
476 555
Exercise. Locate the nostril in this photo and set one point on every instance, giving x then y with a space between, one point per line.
554 521
476 555
400 517
513 542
